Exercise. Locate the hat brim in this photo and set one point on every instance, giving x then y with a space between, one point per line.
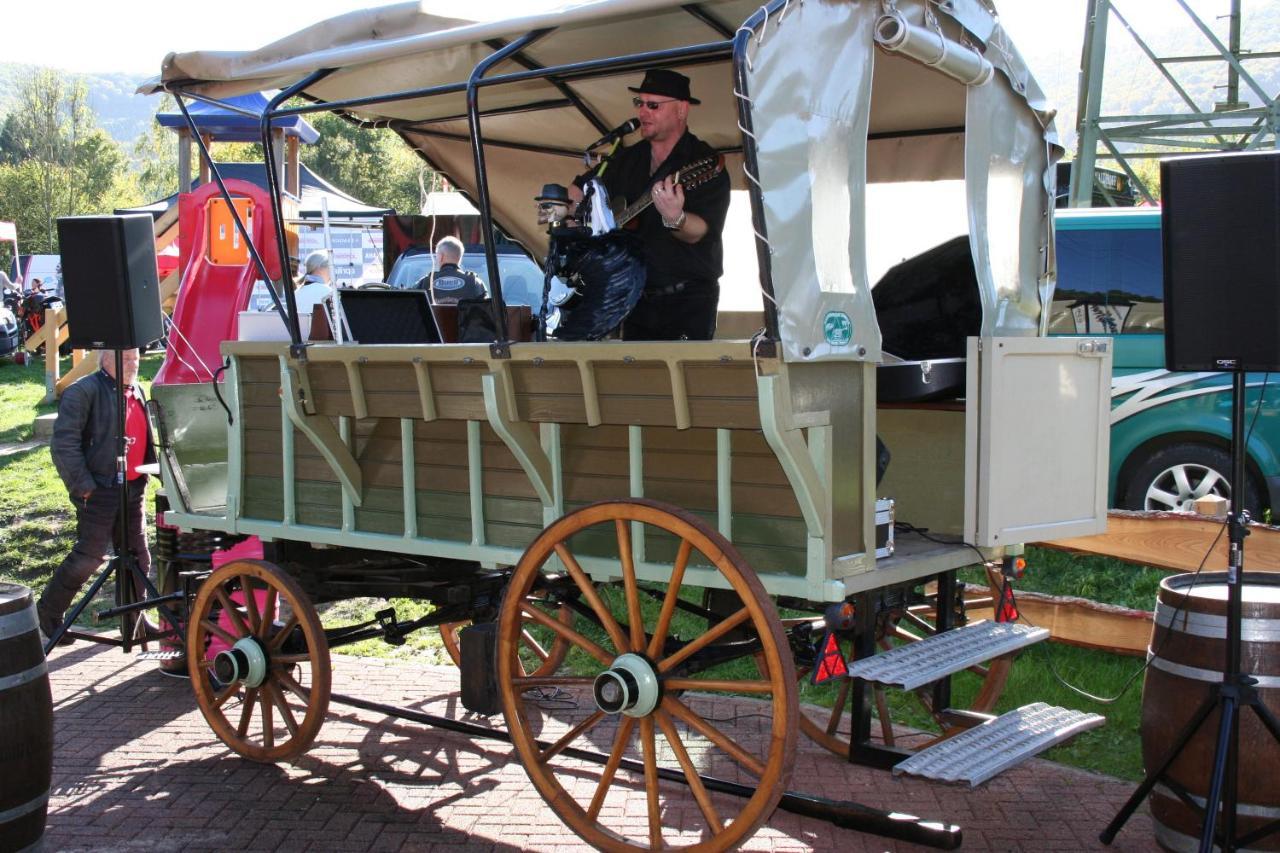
690 99
551 198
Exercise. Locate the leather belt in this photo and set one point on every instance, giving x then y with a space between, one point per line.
672 289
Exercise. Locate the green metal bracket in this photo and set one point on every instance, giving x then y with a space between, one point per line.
321 432
517 435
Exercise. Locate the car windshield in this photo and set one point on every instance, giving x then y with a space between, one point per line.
521 277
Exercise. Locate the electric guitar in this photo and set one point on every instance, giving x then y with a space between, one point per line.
693 175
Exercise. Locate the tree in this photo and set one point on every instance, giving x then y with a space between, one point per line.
155 158
375 166
55 161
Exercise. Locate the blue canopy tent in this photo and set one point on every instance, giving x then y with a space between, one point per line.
239 121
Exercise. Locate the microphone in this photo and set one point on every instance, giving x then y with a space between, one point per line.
617 133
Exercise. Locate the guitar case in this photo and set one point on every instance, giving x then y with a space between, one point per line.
608 274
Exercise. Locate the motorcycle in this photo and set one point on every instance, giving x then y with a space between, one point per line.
29 309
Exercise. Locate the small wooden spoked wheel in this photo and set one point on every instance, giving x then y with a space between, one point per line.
261 682
542 650
640 669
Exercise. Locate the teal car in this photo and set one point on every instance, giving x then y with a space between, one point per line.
1170 432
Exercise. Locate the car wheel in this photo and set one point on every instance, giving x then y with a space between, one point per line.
1174 477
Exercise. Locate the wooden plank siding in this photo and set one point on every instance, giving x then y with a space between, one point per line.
680 465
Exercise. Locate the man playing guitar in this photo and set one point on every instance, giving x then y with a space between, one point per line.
680 231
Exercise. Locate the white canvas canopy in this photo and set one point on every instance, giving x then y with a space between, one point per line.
831 112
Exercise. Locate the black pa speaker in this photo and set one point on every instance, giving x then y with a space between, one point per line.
110 281
1221 229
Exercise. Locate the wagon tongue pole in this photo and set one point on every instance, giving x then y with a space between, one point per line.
842 813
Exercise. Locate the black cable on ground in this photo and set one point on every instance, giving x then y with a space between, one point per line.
1152 654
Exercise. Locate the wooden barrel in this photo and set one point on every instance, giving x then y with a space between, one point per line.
1188 654
26 723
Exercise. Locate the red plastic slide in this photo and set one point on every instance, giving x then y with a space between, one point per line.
217 279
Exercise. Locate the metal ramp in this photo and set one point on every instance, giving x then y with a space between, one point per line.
976 755
160 655
917 664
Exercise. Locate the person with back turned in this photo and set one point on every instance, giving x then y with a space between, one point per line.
450 283
680 232
84 449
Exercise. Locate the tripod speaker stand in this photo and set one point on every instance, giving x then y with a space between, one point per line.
111 283
1236 694
123 566
1222 309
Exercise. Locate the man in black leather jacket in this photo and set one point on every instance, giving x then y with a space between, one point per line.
84 447
450 284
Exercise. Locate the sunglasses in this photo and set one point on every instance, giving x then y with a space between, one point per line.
649 105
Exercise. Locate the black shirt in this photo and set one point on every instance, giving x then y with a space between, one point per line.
669 260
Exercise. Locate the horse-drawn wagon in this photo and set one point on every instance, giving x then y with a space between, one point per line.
638 527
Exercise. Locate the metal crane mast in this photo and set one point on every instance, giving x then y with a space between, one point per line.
1232 124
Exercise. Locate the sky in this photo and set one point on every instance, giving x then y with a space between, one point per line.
92 36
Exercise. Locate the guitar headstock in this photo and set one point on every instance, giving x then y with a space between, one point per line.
700 171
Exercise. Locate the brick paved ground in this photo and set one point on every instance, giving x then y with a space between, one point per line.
136 768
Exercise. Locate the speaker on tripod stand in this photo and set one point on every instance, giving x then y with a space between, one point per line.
1221 232
112 292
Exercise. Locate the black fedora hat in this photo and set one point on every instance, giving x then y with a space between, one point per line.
662 81
553 192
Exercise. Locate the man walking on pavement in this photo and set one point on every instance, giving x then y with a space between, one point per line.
84 448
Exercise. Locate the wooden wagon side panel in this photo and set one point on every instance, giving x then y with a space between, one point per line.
671 428
260 424
682 467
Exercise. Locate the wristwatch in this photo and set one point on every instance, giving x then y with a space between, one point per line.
674 226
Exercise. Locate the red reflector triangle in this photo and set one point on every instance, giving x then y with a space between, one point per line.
831 663
1008 609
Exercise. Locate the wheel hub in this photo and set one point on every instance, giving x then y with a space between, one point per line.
245 662
630 686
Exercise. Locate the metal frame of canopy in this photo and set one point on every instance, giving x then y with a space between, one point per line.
711 51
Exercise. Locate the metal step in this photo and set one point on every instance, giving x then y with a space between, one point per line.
917 664
978 754
160 655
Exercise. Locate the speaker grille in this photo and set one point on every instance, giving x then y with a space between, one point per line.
1221 226
110 281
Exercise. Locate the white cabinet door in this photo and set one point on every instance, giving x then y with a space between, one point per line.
1037 435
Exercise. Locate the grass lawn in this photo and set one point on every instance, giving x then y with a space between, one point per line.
36 531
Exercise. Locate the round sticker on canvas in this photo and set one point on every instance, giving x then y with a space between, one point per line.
837 328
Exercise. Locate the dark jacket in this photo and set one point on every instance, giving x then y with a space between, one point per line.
84 441
450 284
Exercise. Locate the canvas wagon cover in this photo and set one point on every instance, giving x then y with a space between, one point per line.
905 121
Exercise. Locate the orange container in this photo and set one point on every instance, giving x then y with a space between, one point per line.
226 245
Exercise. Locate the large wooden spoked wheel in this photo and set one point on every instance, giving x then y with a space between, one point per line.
262 683
634 675
542 650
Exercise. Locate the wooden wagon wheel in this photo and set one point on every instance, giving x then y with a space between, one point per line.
543 656
630 674
252 665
